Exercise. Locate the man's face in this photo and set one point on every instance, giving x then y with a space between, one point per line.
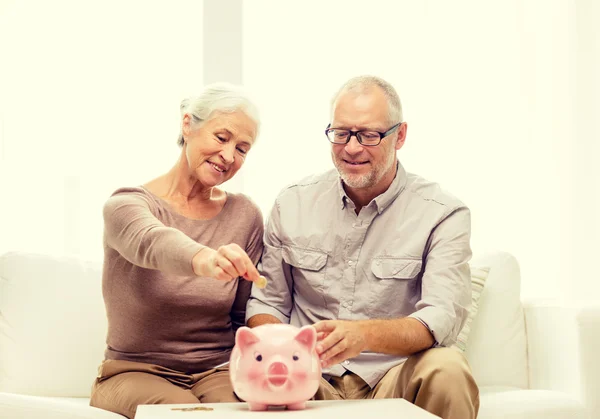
365 166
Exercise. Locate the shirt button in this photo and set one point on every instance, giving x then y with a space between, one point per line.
347 362
350 263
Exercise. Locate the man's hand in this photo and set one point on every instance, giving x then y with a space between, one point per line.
339 340
226 263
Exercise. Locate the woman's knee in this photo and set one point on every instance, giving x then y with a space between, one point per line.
123 393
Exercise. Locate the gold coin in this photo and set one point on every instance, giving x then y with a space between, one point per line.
191 409
262 282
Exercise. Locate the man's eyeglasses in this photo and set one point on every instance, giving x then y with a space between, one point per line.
365 137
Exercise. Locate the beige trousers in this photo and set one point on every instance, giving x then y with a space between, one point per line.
438 380
123 385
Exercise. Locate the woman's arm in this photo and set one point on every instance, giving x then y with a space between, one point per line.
132 230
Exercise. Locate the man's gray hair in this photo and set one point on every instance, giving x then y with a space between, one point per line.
362 83
218 97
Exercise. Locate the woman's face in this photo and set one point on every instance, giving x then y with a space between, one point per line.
217 148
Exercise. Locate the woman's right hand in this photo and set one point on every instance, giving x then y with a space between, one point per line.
226 263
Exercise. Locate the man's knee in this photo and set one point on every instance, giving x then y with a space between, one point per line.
326 391
445 361
439 380
443 369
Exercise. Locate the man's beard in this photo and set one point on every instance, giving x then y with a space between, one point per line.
359 181
367 180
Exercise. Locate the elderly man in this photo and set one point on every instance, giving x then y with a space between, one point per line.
377 259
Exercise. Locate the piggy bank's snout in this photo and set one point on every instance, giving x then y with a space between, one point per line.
278 373
278 368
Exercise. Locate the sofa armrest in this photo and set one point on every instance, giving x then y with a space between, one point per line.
563 343
589 336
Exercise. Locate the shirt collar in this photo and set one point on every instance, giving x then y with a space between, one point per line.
343 197
385 199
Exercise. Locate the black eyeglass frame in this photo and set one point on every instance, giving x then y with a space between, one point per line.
382 135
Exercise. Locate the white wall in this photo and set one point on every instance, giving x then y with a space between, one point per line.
89 101
585 145
501 98
489 93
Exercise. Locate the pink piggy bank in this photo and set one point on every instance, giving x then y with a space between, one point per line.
275 365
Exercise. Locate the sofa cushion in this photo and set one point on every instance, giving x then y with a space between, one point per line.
17 406
52 325
478 277
497 350
514 403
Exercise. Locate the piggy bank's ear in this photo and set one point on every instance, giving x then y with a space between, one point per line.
307 336
245 337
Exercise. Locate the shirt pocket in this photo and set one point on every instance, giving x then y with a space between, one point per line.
394 286
308 269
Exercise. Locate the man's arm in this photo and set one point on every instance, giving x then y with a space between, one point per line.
397 336
343 339
446 283
441 311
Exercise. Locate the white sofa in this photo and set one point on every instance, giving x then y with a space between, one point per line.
530 360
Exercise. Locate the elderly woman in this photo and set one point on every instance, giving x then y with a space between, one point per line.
180 256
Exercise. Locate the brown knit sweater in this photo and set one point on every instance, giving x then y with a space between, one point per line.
158 311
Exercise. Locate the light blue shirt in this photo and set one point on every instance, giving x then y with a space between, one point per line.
405 254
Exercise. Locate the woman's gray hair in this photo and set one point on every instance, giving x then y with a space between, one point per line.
218 97
362 83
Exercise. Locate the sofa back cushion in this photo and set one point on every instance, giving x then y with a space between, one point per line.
52 325
497 345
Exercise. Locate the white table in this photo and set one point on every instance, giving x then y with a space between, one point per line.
338 409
